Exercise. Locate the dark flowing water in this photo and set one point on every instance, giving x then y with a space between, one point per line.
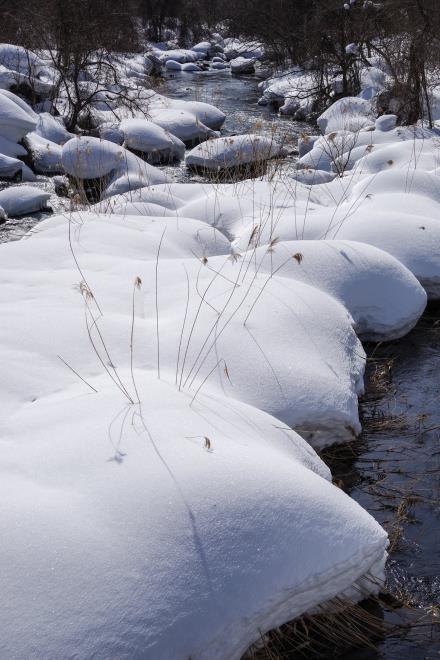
393 469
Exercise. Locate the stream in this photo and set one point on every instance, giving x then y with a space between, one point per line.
393 469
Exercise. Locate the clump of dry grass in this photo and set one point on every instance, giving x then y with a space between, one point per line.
340 626
336 627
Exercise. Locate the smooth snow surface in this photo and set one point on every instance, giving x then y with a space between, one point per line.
152 140
228 152
16 118
92 158
22 200
164 516
350 113
154 545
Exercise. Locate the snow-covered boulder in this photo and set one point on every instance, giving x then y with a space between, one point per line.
386 122
190 67
52 128
249 49
339 151
180 55
229 152
422 157
151 195
14 79
405 225
219 65
183 124
16 118
350 113
46 156
22 67
293 91
155 143
111 132
91 158
311 177
201 49
13 168
242 65
172 65
133 413
327 355
12 149
204 113
23 200
120 171
217 38
17 58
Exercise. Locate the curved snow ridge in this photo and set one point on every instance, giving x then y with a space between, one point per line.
381 292
226 519
393 210
224 343
383 297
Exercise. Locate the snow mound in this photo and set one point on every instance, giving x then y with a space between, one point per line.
16 118
228 152
52 128
184 125
91 158
46 155
17 58
383 297
242 65
12 149
407 227
172 65
12 168
22 200
180 55
350 113
204 113
156 144
190 67
215 500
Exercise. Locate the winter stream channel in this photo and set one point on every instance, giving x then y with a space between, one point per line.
393 469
